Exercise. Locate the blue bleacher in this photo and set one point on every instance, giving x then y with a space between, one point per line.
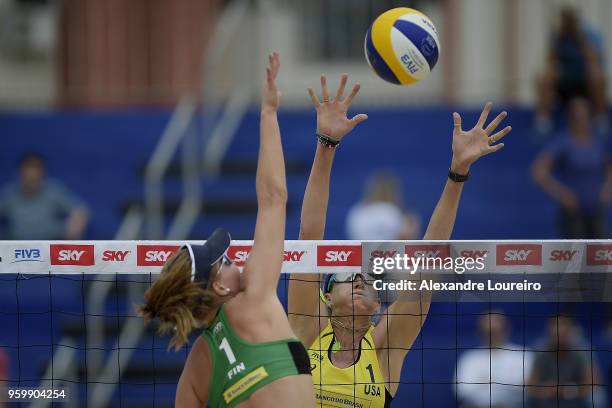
100 156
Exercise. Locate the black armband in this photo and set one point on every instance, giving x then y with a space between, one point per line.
327 141
456 177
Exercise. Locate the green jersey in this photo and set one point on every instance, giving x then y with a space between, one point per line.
240 368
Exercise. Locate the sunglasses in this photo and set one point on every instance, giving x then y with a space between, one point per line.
225 260
343 277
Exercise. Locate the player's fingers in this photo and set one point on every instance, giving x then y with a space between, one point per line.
354 92
457 121
494 148
499 135
340 92
313 98
495 123
272 63
484 115
324 88
357 119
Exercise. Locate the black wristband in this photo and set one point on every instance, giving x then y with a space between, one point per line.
456 177
327 141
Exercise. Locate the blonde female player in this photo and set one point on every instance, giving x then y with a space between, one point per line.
247 356
353 362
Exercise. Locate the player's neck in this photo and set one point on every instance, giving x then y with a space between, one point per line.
347 341
212 314
350 330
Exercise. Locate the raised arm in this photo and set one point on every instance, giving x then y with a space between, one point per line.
467 148
403 320
263 266
306 310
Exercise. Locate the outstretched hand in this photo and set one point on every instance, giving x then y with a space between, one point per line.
271 96
469 146
332 117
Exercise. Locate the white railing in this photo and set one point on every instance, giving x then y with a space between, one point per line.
219 127
181 134
64 361
176 131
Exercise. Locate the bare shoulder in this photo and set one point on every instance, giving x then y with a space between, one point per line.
197 371
192 387
200 349
258 318
246 306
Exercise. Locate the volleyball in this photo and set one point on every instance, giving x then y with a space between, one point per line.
402 46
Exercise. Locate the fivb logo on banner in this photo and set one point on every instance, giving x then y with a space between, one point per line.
27 255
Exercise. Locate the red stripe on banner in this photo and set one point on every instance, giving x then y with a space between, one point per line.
239 253
338 255
428 251
599 254
519 254
72 254
154 255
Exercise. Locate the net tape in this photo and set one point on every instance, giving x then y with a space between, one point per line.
145 257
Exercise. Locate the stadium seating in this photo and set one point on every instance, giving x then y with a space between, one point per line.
101 156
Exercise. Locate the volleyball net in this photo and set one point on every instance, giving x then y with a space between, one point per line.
492 336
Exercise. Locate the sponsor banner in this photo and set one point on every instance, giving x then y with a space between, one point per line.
428 250
134 257
339 255
239 254
154 255
522 255
475 250
25 256
599 254
298 257
376 256
564 256
72 254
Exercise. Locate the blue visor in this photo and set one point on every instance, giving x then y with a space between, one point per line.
203 257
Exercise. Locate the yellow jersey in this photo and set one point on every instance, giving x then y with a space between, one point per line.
358 386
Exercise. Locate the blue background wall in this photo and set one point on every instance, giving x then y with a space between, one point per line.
100 157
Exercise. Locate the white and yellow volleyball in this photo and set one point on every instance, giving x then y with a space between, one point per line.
402 46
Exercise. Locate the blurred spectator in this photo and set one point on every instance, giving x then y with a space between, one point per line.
574 68
36 208
379 215
576 172
561 377
492 376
